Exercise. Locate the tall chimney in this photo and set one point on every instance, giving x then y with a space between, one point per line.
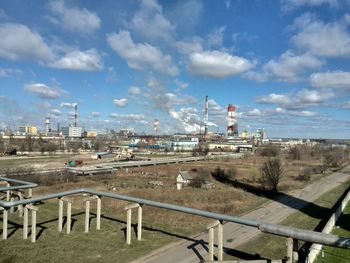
206 116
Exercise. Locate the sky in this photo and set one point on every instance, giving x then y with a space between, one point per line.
284 64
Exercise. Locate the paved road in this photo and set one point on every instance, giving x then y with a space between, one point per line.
234 234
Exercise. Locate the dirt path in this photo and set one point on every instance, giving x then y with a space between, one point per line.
235 235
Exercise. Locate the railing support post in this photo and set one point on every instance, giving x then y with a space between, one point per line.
289 243
128 226
60 215
98 214
220 241
4 223
33 232
25 223
69 217
87 216
139 223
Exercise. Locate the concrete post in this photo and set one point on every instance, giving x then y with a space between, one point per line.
33 234
220 241
20 207
87 216
12 208
289 244
211 244
4 223
98 214
25 223
139 222
8 192
69 217
60 215
295 251
30 192
128 226
128 222
211 227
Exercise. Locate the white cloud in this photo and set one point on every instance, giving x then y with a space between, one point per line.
302 99
129 117
228 4
150 21
120 102
288 5
18 42
74 19
318 38
45 92
180 84
6 72
346 105
95 114
88 60
274 99
56 112
216 37
288 67
217 64
133 90
331 79
189 46
141 56
67 105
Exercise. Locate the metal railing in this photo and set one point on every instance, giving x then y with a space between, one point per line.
290 232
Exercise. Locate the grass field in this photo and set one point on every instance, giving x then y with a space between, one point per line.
273 247
160 226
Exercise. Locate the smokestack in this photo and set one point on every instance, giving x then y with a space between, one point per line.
75 114
206 116
232 127
47 125
155 125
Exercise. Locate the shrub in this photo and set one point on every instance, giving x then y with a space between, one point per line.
269 150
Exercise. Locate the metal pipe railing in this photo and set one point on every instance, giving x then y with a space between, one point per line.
305 235
23 184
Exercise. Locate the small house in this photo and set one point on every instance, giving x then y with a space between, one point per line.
183 178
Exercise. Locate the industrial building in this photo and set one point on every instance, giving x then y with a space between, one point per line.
28 130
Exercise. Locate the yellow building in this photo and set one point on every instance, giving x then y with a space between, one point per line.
28 130
91 134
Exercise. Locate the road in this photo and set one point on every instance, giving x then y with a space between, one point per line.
272 212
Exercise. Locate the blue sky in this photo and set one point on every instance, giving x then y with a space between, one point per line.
284 64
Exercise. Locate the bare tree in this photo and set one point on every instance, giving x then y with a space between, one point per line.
272 172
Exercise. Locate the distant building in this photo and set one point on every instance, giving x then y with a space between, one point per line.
74 132
91 134
183 178
30 130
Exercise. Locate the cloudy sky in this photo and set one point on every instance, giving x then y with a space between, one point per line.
284 64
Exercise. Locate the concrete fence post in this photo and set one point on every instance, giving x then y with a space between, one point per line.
12 208
289 244
20 207
220 241
87 216
139 223
60 215
98 214
128 226
87 212
25 223
4 223
8 192
30 192
33 232
295 254
69 217
211 244
128 221
211 226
